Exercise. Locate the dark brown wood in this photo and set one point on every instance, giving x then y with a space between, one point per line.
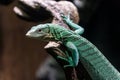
19 56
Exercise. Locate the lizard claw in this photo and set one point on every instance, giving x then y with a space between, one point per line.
60 57
63 16
66 18
69 60
65 66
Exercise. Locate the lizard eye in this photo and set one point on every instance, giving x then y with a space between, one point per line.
39 30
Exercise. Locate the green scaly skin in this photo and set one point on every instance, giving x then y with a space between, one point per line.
98 67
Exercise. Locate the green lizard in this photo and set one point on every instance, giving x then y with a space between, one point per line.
98 67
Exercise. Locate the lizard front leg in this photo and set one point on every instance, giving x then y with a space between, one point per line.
72 58
78 29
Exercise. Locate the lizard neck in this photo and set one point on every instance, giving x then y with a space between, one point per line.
60 34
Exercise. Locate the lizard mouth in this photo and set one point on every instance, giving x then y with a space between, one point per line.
30 12
45 37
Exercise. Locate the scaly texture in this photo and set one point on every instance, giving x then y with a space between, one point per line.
98 67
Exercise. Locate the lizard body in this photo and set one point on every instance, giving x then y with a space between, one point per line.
97 65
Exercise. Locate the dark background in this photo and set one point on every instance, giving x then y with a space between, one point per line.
102 29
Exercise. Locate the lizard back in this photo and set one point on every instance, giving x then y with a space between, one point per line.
97 65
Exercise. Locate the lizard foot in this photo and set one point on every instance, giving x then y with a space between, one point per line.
66 18
69 60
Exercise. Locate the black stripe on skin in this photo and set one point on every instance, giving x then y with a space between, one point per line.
110 73
88 49
94 58
82 44
100 63
91 54
75 39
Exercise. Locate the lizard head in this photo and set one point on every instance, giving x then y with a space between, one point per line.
41 32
